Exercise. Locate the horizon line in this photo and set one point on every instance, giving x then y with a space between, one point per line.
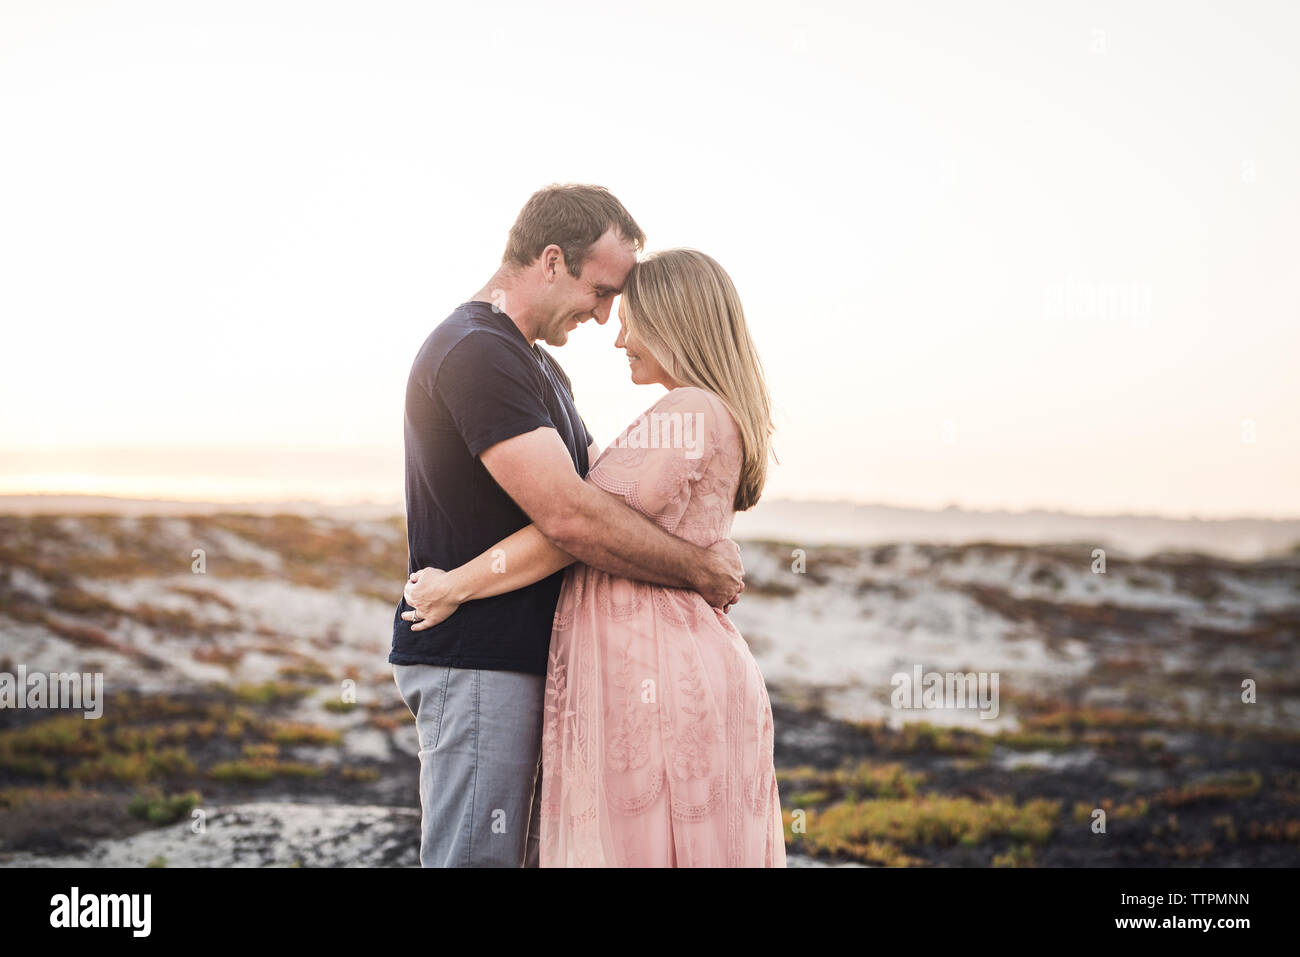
399 506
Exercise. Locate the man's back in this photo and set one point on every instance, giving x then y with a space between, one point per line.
476 382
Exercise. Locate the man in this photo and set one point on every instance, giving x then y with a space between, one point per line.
493 441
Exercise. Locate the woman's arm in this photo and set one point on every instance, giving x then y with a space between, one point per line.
525 557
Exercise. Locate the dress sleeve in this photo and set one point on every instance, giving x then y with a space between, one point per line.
655 460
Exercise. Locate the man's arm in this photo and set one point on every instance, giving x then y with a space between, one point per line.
596 527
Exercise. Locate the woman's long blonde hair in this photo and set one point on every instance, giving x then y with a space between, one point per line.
684 308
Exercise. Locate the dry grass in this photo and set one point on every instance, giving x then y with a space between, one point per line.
134 768
297 732
1228 787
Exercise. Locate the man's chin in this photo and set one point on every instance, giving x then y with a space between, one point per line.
560 334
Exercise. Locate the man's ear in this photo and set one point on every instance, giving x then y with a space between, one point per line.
552 262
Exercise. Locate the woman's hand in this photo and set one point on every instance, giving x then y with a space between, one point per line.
431 594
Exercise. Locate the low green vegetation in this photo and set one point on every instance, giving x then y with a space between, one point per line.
147 741
272 692
885 830
262 770
157 808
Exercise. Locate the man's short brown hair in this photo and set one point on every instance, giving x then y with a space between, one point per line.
572 216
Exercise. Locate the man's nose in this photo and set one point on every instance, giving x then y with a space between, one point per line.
602 313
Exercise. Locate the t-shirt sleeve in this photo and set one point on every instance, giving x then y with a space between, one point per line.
492 391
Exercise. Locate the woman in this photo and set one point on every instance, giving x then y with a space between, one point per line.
657 738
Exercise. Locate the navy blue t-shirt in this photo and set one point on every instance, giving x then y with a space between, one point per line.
476 382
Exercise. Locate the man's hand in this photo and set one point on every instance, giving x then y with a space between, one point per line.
721 578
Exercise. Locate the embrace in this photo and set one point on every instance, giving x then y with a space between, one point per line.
581 696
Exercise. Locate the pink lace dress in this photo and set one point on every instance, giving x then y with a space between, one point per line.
657 737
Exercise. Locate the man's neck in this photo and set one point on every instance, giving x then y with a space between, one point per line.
506 294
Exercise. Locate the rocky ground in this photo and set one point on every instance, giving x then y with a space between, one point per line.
252 719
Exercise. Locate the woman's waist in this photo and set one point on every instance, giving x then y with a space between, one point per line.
583 576
624 597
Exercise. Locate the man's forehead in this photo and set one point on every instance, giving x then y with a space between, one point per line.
609 263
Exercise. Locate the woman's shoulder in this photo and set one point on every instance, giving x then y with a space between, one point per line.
704 417
690 398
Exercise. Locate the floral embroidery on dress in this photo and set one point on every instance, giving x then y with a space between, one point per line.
628 747
698 812
674 607
619 598
642 802
693 738
658 738
760 784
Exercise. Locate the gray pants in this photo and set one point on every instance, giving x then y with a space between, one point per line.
480 763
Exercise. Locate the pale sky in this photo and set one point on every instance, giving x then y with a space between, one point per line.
994 255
